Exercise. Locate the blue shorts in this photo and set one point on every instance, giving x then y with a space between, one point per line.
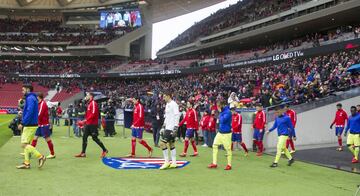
137 132
236 137
339 130
190 133
259 136
43 131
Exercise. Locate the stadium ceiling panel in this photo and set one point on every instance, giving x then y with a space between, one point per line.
159 9
55 4
164 9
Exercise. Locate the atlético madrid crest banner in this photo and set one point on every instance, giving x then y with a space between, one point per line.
138 163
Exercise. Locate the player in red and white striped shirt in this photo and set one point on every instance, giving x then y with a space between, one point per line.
43 126
293 117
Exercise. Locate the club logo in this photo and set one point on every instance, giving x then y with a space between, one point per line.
138 163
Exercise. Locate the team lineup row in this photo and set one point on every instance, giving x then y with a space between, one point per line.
35 124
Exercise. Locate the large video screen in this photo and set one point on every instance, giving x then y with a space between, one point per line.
122 18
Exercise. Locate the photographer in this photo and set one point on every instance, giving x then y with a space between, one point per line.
70 113
109 112
53 114
15 123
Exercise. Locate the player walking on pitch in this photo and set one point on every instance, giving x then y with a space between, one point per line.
44 126
91 126
192 125
29 126
236 126
223 137
353 139
293 117
259 129
168 131
284 128
339 121
137 128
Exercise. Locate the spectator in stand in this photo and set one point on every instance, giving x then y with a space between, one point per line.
233 100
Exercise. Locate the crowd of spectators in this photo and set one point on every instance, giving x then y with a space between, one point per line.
56 66
242 12
203 59
297 81
53 31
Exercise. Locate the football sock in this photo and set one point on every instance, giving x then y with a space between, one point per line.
356 152
352 150
215 152
30 150
51 147
340 142
166 155
287 143
194 145
186 145
34 142
173 155
143 142
292 144
133 145
244 147
228 154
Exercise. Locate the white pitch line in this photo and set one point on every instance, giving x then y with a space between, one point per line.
1 124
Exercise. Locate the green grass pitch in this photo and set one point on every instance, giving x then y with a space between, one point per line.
67 175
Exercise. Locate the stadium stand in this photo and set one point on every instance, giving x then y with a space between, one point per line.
298 81
64 95
53 31
240 13
11 93
333 35
56 66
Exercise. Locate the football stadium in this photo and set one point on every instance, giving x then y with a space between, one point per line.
176 97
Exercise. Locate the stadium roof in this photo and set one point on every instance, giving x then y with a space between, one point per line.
161 9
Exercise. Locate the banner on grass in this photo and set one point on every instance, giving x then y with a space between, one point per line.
138 163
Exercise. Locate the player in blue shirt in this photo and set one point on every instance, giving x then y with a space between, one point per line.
29 125
223 137
353 139
284 128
